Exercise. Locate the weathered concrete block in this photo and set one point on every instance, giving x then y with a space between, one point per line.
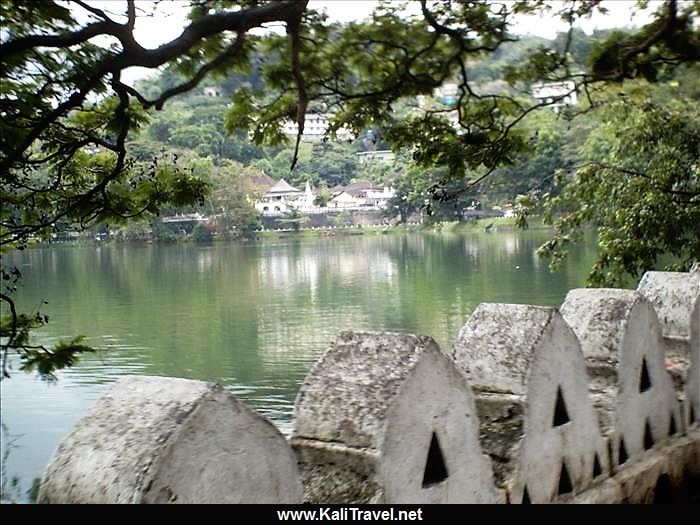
167 440
387 418
674 296
537 419
621 340
676 299
667 474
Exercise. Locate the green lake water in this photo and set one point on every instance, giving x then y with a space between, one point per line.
252 316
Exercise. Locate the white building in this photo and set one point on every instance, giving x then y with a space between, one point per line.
447 94
212 91
315 128
345 201
361 195
379 199
282 197
557 93
368 157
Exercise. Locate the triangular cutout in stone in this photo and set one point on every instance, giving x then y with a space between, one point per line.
623 457
644 379
648 436
597 469
526 497
435 469
565 486
672 428
561 415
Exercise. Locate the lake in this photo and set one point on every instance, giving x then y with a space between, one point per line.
252 316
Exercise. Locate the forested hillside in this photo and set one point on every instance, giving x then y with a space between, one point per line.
192 128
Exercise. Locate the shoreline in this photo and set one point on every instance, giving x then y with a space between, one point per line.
482 226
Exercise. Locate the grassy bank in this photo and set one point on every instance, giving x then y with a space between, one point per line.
491 225
494 224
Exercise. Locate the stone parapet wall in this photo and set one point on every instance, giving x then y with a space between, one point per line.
594 402
404 410
528 360
168 440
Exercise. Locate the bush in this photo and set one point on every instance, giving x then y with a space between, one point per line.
200 233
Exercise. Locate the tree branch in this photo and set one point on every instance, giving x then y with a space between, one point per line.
293 29
131 15
22 44
133 54
95 11
665 28
637 173
197 77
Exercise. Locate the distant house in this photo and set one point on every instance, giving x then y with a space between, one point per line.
556 94
447 94
282 197
369 157
344 200
315 128
361 194
379 198
212 91
358 189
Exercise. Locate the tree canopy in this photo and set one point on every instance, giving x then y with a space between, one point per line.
66 115
638 182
